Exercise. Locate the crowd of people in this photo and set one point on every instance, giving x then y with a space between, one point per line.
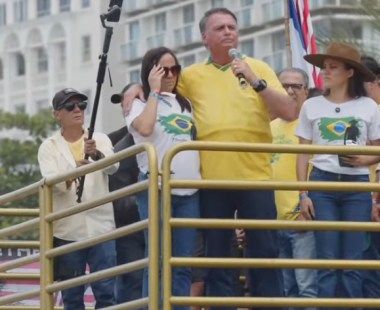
206 102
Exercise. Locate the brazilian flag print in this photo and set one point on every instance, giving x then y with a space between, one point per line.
333 129
176 124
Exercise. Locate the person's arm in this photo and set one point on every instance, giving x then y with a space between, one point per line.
133 92
362 160
302 166
279 104
144 123
47 162
101 147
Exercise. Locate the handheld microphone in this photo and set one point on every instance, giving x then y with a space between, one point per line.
233 53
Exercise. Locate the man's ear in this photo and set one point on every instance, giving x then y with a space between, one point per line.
203 35
56 114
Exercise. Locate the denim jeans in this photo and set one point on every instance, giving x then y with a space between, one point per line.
183 242
261 243
340 206
298 282
371 278
98 257
128 286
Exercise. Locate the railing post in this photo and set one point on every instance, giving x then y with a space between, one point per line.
46 243
153 231
166 234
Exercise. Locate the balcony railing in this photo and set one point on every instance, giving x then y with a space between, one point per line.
184 35
129 51
276 60
40 80
321 3
246 18
156 40
272 10
132 6
18 84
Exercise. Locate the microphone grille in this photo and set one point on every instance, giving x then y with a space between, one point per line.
233 52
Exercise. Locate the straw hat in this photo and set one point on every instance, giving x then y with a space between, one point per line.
345 53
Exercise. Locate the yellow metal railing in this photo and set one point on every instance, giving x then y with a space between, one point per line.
47 217
45 222
168 223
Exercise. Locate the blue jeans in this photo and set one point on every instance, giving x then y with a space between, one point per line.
98 257
298 282
128 286
371 278
250 204
183 242
340 206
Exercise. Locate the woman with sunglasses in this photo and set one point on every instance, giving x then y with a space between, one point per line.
165 120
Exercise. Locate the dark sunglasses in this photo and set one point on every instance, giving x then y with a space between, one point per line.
293 86
175 70
70 106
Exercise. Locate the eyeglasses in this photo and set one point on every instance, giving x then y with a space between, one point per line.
175 70
70 106
293 86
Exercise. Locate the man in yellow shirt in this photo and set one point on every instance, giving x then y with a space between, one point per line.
226 112
293 243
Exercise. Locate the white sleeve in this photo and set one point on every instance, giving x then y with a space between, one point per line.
137 108
304 128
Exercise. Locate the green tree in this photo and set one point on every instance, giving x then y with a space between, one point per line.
18 158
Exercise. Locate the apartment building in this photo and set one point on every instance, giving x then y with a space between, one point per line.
151 23
46 45
49 44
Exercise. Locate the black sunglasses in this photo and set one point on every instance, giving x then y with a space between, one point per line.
175 70
70 106
293 86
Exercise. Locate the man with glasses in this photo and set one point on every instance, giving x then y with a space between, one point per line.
293 243
63 152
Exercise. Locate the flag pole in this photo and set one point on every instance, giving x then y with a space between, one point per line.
287 35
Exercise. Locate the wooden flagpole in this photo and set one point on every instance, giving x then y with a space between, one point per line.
287 34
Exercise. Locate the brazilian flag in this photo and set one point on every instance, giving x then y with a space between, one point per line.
333 129
176 124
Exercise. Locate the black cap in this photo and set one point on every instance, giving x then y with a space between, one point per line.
64 95
371 64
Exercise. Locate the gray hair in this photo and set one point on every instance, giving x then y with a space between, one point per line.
296 70
204 19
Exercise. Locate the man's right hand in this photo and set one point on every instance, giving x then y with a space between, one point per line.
307 212
133 92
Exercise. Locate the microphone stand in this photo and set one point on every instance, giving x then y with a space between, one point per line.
99 82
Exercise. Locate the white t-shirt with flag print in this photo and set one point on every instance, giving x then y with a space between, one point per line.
172 126
324 123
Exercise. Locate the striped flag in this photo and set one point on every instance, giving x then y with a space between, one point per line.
302 40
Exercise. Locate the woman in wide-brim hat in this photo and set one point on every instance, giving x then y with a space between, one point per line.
344 53
342 115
